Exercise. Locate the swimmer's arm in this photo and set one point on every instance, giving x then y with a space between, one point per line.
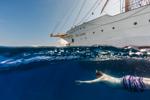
89 81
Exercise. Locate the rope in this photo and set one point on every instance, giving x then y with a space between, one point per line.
104 6
82 6
58 24
66 20
90 10
83 19
132 15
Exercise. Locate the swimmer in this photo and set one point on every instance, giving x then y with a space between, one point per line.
131 83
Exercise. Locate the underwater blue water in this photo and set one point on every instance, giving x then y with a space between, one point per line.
49 73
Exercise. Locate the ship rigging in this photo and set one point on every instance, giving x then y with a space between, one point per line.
115 30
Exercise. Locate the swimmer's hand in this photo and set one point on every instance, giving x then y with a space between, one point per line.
81 82
78 82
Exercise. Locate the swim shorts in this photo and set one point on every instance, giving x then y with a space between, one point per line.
133 83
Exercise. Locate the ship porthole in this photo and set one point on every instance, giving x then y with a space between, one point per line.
149 20
102 30
135 23
113 28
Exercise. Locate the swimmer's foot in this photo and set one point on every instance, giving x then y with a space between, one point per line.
98 74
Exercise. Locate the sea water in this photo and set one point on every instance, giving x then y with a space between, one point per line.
49 73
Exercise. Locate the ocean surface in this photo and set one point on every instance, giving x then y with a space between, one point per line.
49 73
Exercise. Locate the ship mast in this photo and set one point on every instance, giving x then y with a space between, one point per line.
127 5
126 2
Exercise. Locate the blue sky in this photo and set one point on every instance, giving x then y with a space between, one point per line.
29 22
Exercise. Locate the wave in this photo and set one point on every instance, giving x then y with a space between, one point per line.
16 56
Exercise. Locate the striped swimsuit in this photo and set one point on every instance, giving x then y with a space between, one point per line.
133 83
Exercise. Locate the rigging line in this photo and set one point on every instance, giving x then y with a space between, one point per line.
89 11
114 5
132 15
82 6
120 5
69 16
95 9
104 6
57 25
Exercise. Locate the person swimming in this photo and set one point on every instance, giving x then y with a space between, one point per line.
128 82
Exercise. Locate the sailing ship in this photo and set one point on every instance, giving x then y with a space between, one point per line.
131 27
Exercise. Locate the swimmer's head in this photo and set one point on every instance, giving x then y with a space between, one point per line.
98 74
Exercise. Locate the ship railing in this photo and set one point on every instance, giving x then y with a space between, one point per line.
135 5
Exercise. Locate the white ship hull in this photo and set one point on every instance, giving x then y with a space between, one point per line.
129 28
